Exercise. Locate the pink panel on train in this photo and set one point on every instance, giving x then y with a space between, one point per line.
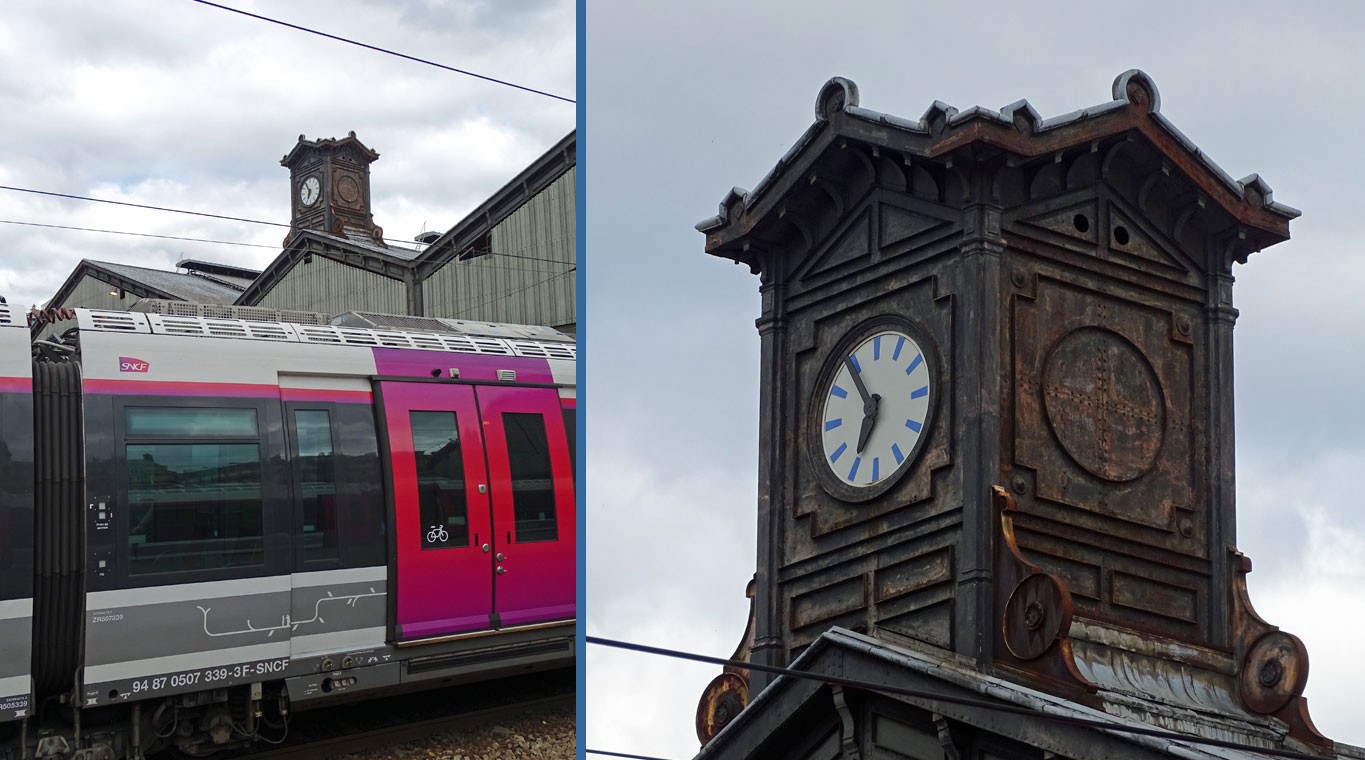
398 362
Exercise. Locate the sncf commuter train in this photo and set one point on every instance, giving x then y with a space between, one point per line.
209 524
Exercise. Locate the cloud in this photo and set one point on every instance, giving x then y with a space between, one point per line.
188 106
647 586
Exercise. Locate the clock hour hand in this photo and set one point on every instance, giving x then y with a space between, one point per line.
869 419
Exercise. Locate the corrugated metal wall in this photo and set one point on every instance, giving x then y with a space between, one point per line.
331 287
89 293
539 290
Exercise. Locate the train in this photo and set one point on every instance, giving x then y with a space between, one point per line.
208 525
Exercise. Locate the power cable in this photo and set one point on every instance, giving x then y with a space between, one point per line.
215 216
605 753
377 49
514 256
134 234
1156 733
139 205
511 293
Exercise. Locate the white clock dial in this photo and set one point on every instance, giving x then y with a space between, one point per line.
309 191
876 409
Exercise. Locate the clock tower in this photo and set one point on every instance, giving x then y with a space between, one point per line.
329 181
996 414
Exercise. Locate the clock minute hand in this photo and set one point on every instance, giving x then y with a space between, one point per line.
858 383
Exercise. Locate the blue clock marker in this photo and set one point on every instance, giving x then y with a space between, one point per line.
831 424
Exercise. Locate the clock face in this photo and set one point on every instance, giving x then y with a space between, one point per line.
309 191
875 410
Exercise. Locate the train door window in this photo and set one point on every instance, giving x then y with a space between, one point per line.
193 504
440 480
571 433
533 485
315 470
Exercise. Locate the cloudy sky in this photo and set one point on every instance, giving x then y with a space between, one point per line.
689 99
178 104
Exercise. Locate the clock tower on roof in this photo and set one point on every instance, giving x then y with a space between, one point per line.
329 180
996 413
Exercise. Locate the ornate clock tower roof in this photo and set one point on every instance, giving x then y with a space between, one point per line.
330 184
996 414
1015 131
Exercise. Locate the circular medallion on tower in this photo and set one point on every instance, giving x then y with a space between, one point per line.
725 697
1104 402
348 189
1274 670
1038 611
872 406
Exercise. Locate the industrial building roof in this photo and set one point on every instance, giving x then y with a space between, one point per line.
957 691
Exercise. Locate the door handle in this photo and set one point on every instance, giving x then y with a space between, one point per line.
483 488
501 556
501 570
485 548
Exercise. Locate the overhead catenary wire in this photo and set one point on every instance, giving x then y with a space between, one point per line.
138 205
378 49
627 755
216 216
134 234
1157 733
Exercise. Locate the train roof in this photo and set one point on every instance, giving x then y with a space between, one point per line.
10 316
104 321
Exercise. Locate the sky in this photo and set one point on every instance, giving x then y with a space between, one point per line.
686 100
178 104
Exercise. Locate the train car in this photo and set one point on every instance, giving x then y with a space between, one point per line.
271 516
16 520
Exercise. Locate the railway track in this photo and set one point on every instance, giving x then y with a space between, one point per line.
398 734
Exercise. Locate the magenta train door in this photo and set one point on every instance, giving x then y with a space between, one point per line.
484 507
533 503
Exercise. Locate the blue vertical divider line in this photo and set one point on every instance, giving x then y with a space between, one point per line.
580 372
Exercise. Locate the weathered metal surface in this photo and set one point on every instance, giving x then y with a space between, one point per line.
721 701
1072 278
1034 611
728 693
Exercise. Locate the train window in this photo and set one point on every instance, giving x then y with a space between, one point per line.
315 466
533 485
191 422
194 506
440 480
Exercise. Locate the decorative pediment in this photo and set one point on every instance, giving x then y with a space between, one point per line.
852 244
